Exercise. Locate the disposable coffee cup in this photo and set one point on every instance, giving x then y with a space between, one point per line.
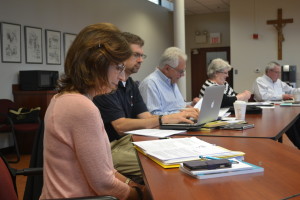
240 109
297 97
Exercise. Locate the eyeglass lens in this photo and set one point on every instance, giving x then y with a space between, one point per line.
138 55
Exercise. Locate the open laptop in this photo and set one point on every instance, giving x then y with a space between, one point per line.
209 110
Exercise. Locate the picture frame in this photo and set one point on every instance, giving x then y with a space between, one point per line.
68 40
11 42
53 47
33 45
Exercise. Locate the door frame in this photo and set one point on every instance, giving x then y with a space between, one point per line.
198 67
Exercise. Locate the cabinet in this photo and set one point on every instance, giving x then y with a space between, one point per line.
31 99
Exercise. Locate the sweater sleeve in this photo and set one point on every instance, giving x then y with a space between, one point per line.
89 149
94 154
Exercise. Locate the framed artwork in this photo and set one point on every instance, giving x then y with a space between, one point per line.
11 42
53 47
33 44
68 39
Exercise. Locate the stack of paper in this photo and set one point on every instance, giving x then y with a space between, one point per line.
155 132
238 167
171 152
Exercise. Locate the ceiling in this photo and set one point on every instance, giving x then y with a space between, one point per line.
194 7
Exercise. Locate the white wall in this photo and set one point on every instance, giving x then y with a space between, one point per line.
216 22
248 54
153 23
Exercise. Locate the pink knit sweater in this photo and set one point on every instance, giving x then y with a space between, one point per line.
77 156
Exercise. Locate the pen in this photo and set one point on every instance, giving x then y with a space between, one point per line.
208 157
215 158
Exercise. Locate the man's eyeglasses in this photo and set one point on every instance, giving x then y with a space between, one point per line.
181 72
276 72
138 55
120 67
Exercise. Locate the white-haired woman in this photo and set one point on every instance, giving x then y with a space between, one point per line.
217 73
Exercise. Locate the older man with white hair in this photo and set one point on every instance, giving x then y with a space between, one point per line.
270 88
159 90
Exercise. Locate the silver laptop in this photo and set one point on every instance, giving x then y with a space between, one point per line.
209 110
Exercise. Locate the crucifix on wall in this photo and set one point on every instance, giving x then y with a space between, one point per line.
279 23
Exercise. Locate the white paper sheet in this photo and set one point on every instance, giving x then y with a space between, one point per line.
155 132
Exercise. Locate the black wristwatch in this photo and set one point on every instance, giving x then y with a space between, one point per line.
159 119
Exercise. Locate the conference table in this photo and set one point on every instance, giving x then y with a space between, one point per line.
271 123
281 163
280 179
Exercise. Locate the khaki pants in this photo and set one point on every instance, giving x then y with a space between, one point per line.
124 157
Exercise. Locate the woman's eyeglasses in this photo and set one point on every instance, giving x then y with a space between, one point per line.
226 73
120 67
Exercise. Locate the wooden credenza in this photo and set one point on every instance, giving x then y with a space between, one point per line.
31 99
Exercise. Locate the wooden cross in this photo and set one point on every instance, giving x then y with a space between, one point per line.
279 23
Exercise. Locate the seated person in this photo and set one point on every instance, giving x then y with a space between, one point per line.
217 73
159 90
77 156
270 88
125 110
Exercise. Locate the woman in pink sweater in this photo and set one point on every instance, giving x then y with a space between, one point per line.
77 156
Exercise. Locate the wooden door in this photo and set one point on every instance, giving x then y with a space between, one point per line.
200 59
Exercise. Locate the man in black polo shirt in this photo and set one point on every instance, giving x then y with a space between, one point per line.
124 110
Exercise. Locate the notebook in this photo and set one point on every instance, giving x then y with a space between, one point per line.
209 110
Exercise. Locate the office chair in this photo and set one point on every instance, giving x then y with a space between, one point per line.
16 127
6 124
8 189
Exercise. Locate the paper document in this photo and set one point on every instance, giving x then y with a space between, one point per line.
260 103
224 112
266 104
155 132
177 150
232 120
198 104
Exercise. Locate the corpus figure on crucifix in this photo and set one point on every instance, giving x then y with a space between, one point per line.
279 30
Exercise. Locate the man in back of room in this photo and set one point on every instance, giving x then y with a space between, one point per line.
270 88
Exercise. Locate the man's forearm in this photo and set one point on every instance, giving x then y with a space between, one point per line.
126 124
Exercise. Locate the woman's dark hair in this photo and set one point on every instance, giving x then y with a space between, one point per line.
94 49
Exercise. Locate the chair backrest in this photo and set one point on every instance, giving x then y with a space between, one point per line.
7 184
5 105
34 184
